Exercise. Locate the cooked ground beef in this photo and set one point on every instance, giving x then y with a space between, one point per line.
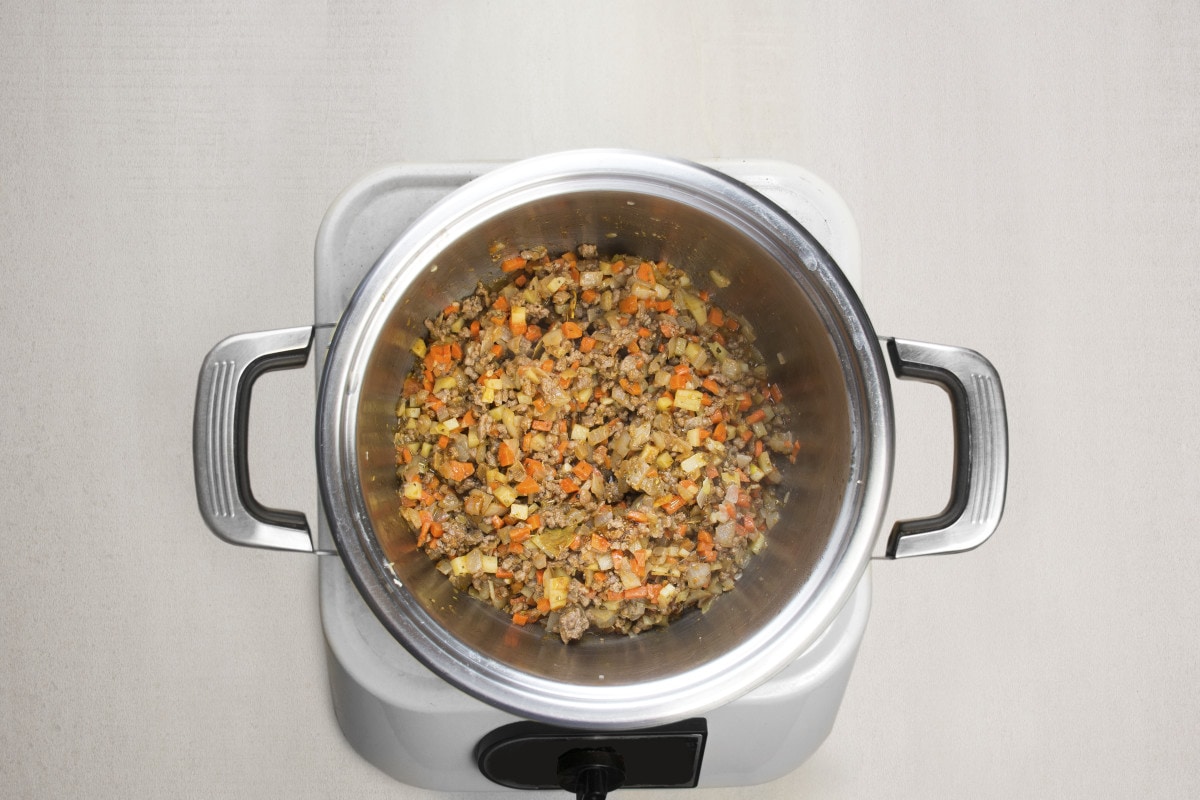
587 445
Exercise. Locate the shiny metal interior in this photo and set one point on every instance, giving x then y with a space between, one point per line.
823 358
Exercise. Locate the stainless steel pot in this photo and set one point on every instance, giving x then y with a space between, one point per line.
821 349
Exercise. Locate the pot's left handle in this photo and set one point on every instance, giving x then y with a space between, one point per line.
219 439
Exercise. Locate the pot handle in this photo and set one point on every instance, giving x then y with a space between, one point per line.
980 449
219 433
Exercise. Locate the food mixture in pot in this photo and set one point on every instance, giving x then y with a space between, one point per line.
593 444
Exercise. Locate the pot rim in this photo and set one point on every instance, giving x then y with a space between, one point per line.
724 677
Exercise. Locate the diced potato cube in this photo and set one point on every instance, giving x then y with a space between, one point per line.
519 510
688 400
506 494
693 463
556 591
419 349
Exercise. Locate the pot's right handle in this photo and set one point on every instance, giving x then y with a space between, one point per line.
980 449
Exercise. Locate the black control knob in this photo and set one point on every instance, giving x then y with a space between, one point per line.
591 773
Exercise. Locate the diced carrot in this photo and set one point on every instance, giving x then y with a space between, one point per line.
571 330
757 448
515 548
643 333
543 605
436 530
501 303
674 503
519 534
599 543
547 365
586 344
582 470
458 470
503 573
756 416
534 521
528 486
540 425
443 442
637 516
521 280
534 468
721 432
716 316
617 266
497 350
533 332
732 324
568 486
637 592
468 419
589 295
520 618
711 385
513 264
569 257
645 272
505 456
628 305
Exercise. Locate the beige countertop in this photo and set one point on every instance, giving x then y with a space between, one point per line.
1024 179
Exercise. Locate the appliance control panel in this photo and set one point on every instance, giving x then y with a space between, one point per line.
533 755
